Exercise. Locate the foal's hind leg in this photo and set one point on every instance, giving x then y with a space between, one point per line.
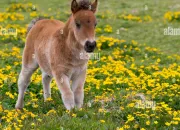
46 79
29 65
23 82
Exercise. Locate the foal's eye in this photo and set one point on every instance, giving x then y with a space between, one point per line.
78 25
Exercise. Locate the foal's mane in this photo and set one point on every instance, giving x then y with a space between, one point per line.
84 5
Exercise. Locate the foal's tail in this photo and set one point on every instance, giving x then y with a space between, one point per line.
33 22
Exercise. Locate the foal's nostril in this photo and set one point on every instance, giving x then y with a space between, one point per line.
88 43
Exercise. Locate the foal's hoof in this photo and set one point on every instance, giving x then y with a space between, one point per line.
18 107
69 102
79 105
69 105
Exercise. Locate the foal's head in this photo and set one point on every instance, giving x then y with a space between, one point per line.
84 23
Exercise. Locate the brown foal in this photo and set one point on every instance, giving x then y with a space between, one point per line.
55 47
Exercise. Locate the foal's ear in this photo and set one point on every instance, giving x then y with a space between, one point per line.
94 6
74 6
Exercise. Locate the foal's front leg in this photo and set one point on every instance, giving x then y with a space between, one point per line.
78 88
66 92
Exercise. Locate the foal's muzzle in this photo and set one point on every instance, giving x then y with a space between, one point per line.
90 46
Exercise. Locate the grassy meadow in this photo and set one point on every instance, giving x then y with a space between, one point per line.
134 85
